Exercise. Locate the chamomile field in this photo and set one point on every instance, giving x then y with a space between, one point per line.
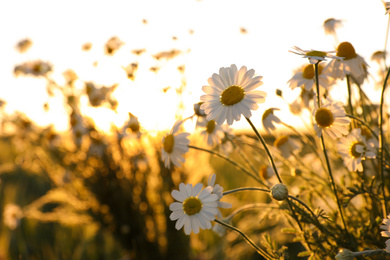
194 130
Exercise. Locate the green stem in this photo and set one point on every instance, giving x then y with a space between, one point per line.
381 144
258 249
230 161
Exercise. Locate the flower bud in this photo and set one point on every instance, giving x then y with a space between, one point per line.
279 191
344 254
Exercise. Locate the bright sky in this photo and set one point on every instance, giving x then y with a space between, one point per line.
59 28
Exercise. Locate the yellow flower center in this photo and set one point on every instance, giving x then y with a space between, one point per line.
353 150
280 141
316 53
169 142
267 113
309 71
346 50
232 95
210 126
324 117
134 127
192 205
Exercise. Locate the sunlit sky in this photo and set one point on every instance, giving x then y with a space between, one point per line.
59 28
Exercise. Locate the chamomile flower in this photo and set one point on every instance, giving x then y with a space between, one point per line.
314 56
217 189
352 64
330 25
386 232
305 78
268 119
231 93
353 148
287 146
331 119
174 146
195 209
213 132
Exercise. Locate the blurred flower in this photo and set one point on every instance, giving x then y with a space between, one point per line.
231 93
354 148
24 45
96 95
345 254
86 46
217 189
70 76
226 145
279 191
387 6
200 115
35 68
314 56
378 56
305 77
266 172
132 126
131 70
268 119
213 132
195 209
138 51
286 145
167 54
352 64
112 45
12 215
331 119
174 145
331 24
386 232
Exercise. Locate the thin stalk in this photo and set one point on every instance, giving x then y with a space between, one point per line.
348 79
261 139
258 249
230 161
326 156
381 145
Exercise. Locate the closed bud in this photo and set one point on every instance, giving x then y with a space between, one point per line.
279 191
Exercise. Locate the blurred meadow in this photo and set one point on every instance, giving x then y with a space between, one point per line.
91 92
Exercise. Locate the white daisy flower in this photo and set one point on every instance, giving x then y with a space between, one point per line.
331 24
231 93
268 119
353 148
314 56
331 119
213 132
305 78
174 146
217 189
287 146
386 232
195 209
352 64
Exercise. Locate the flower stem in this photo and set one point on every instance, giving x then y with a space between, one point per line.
230 161
326 156
258 249
261 139
381 142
